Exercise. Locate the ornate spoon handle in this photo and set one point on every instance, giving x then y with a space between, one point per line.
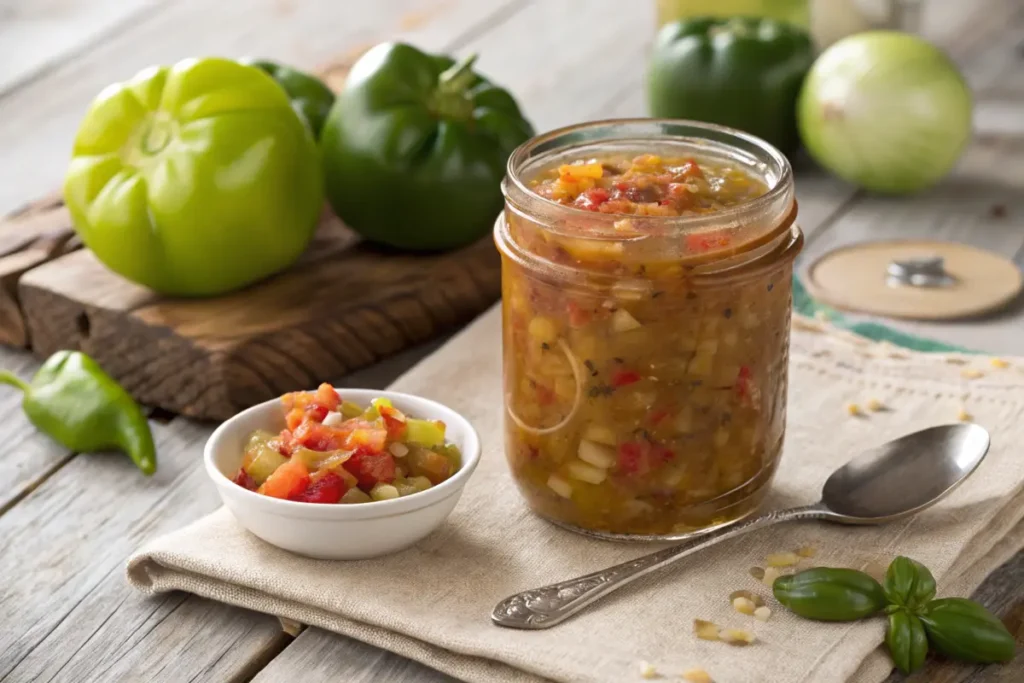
544 607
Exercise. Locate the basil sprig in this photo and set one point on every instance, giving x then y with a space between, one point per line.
956 627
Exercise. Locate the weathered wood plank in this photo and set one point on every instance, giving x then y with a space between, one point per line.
318 655
39 35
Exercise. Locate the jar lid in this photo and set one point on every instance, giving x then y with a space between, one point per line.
916 280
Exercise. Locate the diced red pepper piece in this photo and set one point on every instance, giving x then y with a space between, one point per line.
707 242
691 170
327 397
371 468
324 487
631 458
290 479
244 480
622 378
743 380
545 396
394 421
284 443
578 316
657 416
317 437
592 199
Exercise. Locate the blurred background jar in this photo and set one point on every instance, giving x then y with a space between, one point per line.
827 20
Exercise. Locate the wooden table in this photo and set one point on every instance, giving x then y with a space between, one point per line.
67 522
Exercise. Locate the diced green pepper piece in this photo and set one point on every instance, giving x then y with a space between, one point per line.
454 455
429 433
349 410
261 460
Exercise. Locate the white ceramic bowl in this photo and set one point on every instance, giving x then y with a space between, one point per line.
339 532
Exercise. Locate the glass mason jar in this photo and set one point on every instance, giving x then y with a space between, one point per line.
645 357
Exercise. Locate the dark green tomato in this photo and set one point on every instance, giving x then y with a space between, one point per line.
743 72
963 629
907 641
415 149
908 583
829 594
310 97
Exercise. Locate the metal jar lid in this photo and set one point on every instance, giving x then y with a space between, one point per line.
916 280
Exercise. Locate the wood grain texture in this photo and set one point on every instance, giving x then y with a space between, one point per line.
343 306
318 655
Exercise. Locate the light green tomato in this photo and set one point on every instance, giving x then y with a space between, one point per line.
194 179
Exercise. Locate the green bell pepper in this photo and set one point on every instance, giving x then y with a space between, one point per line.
75 402
743 72
311 98
195 179
415 148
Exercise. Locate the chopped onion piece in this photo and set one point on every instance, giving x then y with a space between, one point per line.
560 486
333 419
622 321
599 434
588 473
596 454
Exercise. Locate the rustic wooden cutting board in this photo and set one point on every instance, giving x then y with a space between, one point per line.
344 305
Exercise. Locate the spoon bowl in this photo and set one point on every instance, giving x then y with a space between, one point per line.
889 482
905 475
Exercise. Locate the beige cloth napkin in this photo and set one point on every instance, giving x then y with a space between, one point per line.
432 603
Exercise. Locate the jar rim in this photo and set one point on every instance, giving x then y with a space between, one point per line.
775 171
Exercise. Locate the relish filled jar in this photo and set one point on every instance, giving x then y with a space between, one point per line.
646 284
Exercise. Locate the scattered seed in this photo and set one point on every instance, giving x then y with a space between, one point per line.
737 636
807 551
822 316
744 606
971 373
755 599
696 675
762 613
964 416
757 573
782 559
998 211
954 360
647 670
853 409
770 574
874 405
999 363
898 355
705 630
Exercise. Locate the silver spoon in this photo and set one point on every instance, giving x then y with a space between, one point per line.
890 482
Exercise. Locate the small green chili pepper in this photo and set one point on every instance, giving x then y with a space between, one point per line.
908 583
963 629
907 641
74 401
830 594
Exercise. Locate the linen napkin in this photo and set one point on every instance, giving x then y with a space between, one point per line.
432 602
